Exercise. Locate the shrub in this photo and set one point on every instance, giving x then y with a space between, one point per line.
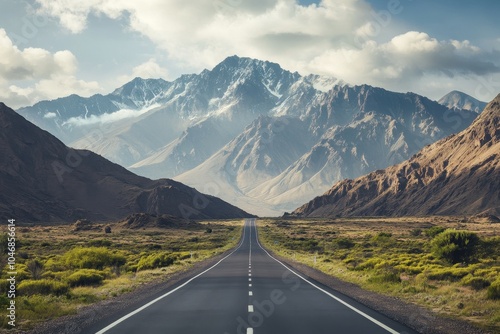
434 230
494 290
156 260
455 246
84 277
382 238
35 268
343 243
415 232
449 274
477 283
42 287
92 258
385 274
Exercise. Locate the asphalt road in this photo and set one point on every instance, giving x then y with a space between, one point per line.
250 292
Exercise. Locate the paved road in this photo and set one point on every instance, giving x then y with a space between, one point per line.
250 292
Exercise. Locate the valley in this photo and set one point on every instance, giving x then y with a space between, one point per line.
252 133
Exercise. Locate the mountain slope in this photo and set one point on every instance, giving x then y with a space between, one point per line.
459 100
43 180
62 116
344 133
457 175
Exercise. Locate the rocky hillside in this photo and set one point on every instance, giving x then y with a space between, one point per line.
457 175
43 180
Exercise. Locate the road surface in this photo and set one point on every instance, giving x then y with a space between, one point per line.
249 291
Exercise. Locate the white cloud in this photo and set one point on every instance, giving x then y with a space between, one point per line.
108 117
44 75
50 115
342 38
406 57
150 69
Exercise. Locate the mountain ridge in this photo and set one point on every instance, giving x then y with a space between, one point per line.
333 129
454 176
44 180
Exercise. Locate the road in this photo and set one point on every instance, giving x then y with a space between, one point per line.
251 292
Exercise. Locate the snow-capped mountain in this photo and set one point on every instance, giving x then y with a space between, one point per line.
259 136
347 132
459 100
65 117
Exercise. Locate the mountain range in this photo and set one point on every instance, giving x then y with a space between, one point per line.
456 175
258 136
43 180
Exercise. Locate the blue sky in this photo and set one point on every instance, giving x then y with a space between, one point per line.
53 48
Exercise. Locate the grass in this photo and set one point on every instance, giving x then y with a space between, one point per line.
398 257
60 270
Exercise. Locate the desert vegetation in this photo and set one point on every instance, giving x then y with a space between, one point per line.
449 265
61 268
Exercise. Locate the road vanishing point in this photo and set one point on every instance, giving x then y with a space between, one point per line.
250 292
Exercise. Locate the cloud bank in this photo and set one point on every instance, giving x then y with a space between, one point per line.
341 38
44 75
346 39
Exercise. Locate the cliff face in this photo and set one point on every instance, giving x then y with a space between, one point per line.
41 179
456 175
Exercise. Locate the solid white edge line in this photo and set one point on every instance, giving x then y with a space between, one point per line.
125 317
375 321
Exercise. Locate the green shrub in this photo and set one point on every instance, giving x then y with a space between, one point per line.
448 274
382 238
100 242
42 287
84 277
494 290
434 230
343 243
415 232
385 274
156 260
35 268
92 258
455 246
477 283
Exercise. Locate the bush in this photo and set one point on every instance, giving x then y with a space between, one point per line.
415 232
42 287
434 230
385 274
156 260
35 268
448 274
477 283
92 258
84 277
382 238
455 246
343 243
494 290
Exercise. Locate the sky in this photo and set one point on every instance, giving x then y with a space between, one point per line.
54 48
